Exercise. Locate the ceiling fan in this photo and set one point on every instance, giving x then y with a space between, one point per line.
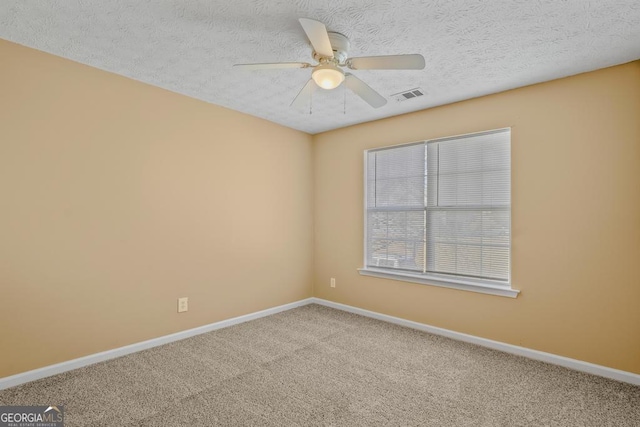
330 50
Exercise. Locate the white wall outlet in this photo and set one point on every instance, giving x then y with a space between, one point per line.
183 304
333 282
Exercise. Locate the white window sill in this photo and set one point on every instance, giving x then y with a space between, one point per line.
461 284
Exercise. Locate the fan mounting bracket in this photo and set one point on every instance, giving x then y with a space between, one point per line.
340 46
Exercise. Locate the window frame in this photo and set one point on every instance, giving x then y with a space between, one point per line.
481 285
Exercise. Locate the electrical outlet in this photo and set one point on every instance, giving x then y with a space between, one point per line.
333 282
183 304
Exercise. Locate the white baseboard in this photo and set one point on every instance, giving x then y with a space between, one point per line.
59 368
577 365
574 364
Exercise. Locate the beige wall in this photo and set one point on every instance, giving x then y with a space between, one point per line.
116 198
575 218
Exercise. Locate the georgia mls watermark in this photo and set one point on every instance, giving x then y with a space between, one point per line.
32 416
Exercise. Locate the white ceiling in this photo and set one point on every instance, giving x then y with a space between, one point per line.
471 47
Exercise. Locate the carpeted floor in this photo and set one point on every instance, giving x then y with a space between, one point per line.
317 366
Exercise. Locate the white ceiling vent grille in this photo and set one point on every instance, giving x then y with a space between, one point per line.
409 94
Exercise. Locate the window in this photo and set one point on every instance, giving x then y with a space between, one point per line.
439 212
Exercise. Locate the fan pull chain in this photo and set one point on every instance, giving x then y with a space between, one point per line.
344 92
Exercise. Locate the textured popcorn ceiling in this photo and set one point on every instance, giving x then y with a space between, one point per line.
471 47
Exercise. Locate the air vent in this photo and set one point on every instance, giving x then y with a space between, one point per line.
409 94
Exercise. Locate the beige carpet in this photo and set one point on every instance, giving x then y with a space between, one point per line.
318 366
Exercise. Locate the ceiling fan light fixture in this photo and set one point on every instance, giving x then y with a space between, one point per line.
327 76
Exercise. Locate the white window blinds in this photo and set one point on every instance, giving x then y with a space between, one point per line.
395 207
442 207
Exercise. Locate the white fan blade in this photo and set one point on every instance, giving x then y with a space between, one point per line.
304 96
364 91
272 66
317 34
390 62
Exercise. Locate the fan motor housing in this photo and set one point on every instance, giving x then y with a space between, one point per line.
340 46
